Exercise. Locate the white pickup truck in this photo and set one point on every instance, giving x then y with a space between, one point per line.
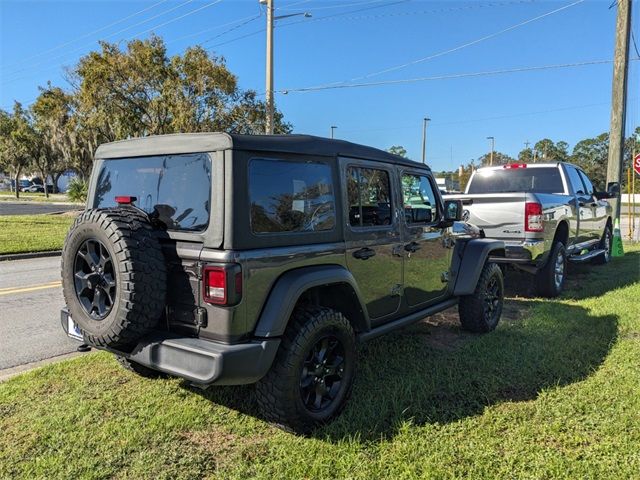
546 213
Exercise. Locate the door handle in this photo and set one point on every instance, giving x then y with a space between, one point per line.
364 253
412 247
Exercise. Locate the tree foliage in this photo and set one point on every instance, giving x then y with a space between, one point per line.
118 93
398 150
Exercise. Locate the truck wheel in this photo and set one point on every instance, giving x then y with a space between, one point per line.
606 243
480 312
312 375
139 369
550 278
113 276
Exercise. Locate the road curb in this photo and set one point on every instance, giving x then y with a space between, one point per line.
25 256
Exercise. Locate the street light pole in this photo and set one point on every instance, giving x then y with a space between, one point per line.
493 145
333 127
425 120
269 78
269 74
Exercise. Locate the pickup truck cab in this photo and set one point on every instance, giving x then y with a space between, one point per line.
546 213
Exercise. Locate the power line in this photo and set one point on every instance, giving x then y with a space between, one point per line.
210 29
257 32
457 48
58 47
247 21
148 30
326 7
444 77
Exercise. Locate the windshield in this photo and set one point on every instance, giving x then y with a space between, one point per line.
173 189
539 180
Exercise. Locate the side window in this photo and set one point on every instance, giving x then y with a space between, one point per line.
420 201
587 183
369 197
574 180
289 196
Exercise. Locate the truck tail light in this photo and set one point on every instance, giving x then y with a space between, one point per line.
125 199
222 285
533 217
515 165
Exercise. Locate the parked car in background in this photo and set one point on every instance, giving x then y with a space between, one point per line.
38 188
546 213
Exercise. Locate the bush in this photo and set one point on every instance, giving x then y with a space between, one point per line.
77 190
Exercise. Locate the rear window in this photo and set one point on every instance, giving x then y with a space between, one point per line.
539 180
289 196
175 189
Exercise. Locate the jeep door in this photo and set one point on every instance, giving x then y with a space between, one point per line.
426 258
372 234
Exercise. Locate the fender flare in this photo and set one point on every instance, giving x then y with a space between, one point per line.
468 261
291 285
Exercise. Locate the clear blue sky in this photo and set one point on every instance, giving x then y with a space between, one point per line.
563 104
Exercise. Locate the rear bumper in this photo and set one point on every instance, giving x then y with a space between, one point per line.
528 251
201 361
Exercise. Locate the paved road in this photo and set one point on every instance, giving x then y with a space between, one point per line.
30 303
31 208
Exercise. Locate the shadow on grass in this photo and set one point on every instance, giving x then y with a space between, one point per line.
436 373
583 280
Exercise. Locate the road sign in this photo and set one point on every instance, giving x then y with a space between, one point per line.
636 164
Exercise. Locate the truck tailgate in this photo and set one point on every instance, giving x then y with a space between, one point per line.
500 215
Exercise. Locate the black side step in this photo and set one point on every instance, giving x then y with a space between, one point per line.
587 256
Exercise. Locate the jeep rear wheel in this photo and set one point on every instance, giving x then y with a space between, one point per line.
481 311
312 375
113 276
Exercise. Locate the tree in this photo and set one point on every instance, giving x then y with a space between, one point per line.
398 150
525 156
15 137
52 113
591 154
499 158
547 151
141 91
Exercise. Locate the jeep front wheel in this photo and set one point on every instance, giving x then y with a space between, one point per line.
480 312
312 375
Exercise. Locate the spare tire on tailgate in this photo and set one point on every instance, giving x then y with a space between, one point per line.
114 276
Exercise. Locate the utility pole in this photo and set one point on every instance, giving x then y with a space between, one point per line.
425 120
493 147
269 79
333 127
619 97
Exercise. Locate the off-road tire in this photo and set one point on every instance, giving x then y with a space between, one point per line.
139 270
138 369
481 311
606 243
279 393
545 278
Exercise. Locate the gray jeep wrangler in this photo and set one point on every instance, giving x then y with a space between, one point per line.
232 259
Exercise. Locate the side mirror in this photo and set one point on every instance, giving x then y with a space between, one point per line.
613 189
452 210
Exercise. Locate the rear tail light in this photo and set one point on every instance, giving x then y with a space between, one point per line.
125 199
533 217
515 165
222 285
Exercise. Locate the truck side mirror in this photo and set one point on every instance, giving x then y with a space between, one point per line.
452 210
613 189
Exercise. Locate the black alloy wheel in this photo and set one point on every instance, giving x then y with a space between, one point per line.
492 299
94 279
322 373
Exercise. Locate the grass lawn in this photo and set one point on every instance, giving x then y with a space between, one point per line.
35 197
33 233
554 392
